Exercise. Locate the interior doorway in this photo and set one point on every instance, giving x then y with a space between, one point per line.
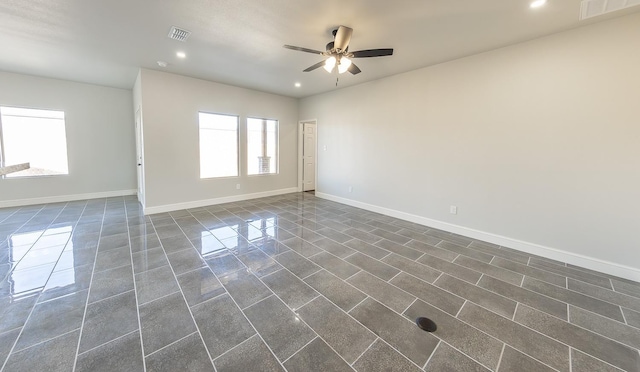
139 152
308 155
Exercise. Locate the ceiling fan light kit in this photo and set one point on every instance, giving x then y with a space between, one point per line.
337 53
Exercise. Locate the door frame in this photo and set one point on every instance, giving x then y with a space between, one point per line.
139 156
301 146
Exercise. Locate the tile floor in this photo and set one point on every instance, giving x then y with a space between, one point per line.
292 283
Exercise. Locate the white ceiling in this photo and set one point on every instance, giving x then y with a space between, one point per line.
239 42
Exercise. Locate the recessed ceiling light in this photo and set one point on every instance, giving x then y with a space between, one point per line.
538 3
181 54
162 63
298 85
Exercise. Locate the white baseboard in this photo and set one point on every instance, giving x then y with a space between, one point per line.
64 198
224 199
592 263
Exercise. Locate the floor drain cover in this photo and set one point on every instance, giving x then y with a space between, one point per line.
426 324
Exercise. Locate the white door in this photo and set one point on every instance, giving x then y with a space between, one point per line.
309 157
139 151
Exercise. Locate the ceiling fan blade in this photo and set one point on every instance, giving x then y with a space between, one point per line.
372 53
317 65
301 49
343 37
353 69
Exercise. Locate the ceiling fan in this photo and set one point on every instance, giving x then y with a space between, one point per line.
337 53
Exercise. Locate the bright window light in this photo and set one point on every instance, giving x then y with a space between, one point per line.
262 146
538 3
218 145
37 137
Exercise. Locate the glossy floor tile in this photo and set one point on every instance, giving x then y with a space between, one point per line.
292 283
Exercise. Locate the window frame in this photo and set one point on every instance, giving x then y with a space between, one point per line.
2 144
277 149
238 152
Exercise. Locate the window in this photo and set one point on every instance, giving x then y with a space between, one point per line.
218 145
36 137
262 146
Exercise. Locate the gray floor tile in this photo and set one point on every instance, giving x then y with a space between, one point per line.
419 236
303 233
448 359
632 317
144 242
156 283
175 243
111 282
59 354
481 347
335 248
316 356
336 290
399 249
345 335
419 270
224 262
381 357
452 269
221 324
14 312
164 321
73 258
112 242
430 294
297 264
525 296
393 237
609 328
432 250
52 319
271 247
362 235
121 355
252 356
372 266
334 235
65 282
199 285
335 265
291 290
574 298
632 289
469 252
109 319
449 237
488 269
384 226
185 260
187 354
387 294
279 327
579 338
260 263
533 272
494 302
581 362
245 288
301 246
367 248
399 332
545 349
574 273
7 339
617 298
149 260
513 360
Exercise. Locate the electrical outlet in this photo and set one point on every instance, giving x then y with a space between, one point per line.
453 209
350 188
237 186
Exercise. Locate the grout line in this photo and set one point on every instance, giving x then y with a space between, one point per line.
172 343
522 281
356 305
504 346
462 307
108 342
623 316
393 277
432 354
306 303
43 341
411 304
365 350
352 275
478 281
515 311
300 349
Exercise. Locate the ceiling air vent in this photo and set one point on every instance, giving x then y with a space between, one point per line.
593 8
179 34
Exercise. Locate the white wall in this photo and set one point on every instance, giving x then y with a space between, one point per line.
537 144
170 106
100 139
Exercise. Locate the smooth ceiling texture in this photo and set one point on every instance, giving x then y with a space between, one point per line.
239 42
